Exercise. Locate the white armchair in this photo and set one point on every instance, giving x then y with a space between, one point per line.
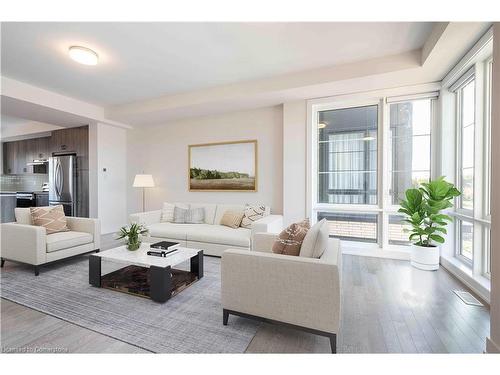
300 292
30 244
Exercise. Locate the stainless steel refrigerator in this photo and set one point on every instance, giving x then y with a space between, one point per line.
62 183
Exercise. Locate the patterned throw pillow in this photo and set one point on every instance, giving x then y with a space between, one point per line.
167 212
232 218
290 240
50 217
180 215
252 213
196 216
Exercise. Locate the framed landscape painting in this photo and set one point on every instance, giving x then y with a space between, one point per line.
226 166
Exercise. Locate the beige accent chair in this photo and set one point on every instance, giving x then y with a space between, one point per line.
26 243
296 291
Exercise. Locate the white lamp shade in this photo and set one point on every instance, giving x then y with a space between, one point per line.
143 180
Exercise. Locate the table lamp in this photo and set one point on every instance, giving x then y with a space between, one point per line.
143 181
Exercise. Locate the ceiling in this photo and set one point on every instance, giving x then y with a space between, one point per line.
13 127
140 61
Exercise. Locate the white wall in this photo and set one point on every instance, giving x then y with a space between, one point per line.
493 343
108 176
163 152
294 161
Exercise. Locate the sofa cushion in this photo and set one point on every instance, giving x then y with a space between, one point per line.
169 230
167 212
222 208
251 214
64 240
52 218
290 239
219 234
316 240
196 215
231 219
23 215
180 214
209 211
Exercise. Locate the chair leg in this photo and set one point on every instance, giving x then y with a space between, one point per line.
225 316
333 343
2 262
37 271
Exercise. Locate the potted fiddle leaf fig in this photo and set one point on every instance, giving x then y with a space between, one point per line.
423 208
132 235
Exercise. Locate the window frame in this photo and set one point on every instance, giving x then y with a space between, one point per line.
384 207
479 216
459 149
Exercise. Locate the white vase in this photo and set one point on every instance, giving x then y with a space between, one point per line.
425 258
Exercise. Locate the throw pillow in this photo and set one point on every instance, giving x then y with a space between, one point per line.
232 218
316 240
251 214
52 218
196 216
180 215
167 212
290 240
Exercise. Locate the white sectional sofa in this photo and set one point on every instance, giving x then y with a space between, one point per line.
211 237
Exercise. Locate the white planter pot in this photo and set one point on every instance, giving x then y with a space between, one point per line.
425 258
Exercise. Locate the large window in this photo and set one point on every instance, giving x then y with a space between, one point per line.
466 115
465 239
410 146
473 166
347 155
357 186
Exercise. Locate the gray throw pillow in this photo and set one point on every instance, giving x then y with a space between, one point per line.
180 215
196 216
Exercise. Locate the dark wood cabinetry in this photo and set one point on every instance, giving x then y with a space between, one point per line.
17 155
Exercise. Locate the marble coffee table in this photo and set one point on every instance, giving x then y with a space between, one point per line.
145 275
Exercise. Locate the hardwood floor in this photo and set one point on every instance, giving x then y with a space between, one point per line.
388 307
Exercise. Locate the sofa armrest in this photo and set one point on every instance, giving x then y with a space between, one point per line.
263 242
269 223
146 218
87 225
290 289
24 243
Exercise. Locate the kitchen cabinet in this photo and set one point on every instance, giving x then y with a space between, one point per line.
17 154
41 199
9 157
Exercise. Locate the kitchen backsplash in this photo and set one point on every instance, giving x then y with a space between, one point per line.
23 182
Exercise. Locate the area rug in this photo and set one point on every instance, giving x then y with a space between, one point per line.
190 322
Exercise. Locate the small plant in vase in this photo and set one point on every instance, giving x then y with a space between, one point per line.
423 208
132 235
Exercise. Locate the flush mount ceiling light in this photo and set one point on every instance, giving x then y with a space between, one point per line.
368 138
83 55
321 125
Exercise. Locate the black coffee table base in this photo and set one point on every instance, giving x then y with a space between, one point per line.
157 283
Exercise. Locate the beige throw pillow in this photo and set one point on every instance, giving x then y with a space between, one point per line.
290 240
232 218
316 240
52 218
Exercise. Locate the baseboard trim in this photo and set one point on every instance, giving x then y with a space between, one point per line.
491 347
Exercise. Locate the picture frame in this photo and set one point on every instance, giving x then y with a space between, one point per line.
223 166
